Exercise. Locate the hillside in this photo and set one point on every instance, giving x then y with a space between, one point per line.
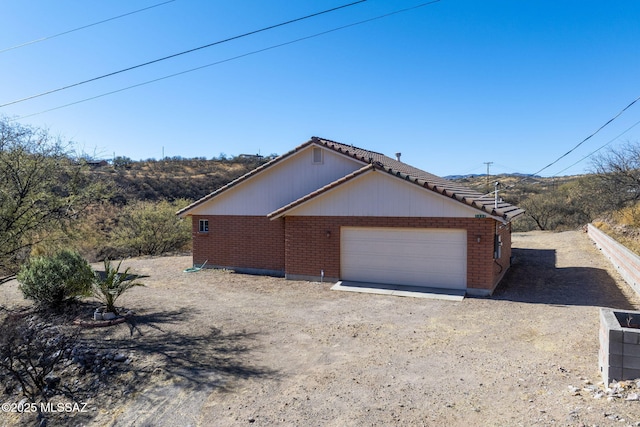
514 186
171 179
558 203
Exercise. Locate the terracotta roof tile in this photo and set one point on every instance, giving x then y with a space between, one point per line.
402 170
440 185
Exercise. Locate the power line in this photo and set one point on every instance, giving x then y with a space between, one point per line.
599 148
231 59
83 27
589 137
181 53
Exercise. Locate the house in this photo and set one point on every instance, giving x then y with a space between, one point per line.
332 211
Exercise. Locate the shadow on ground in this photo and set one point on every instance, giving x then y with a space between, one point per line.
534 278
194 357
158 361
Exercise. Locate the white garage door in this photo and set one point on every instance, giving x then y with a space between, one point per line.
405 256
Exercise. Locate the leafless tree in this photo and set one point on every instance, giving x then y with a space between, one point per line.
618 173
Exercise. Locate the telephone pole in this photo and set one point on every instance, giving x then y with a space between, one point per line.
488 164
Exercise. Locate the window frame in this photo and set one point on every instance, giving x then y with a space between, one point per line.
203 226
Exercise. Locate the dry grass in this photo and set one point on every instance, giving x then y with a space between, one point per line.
624 227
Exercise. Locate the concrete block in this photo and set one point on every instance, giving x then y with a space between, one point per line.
631 350
613 374
629 362
630 337
630 373
616 335
616 348
619 354
616 360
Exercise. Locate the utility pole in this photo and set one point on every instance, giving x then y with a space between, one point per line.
488 164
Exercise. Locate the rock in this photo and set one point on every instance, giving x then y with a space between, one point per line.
52 381
120 357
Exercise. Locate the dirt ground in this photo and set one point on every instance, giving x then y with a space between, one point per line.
215 348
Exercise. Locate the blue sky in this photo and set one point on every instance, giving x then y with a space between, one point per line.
451 85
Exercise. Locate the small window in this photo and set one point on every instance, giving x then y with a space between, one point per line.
204 226
317 156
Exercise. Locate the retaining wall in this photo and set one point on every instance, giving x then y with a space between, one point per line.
626 262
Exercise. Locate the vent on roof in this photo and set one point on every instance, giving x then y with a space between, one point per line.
317 156
398 156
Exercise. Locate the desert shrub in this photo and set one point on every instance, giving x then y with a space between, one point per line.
152 228
52 280
92 232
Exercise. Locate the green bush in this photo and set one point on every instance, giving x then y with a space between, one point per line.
51 281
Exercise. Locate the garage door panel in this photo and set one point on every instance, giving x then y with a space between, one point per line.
403 256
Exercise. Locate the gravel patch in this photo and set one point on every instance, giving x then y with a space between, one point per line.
215 348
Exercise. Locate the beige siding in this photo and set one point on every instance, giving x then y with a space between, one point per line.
277 186
379 194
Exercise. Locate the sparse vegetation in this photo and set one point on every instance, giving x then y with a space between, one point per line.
127 208
624 226
151 228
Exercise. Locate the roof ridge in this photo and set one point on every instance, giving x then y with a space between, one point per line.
329 141
375 160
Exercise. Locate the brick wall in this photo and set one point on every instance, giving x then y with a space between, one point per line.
501 265
251 243
312 244
305 246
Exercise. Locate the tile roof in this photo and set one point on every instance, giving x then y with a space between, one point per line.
374 160
485 203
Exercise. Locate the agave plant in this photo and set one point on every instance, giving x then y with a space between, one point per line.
108 287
